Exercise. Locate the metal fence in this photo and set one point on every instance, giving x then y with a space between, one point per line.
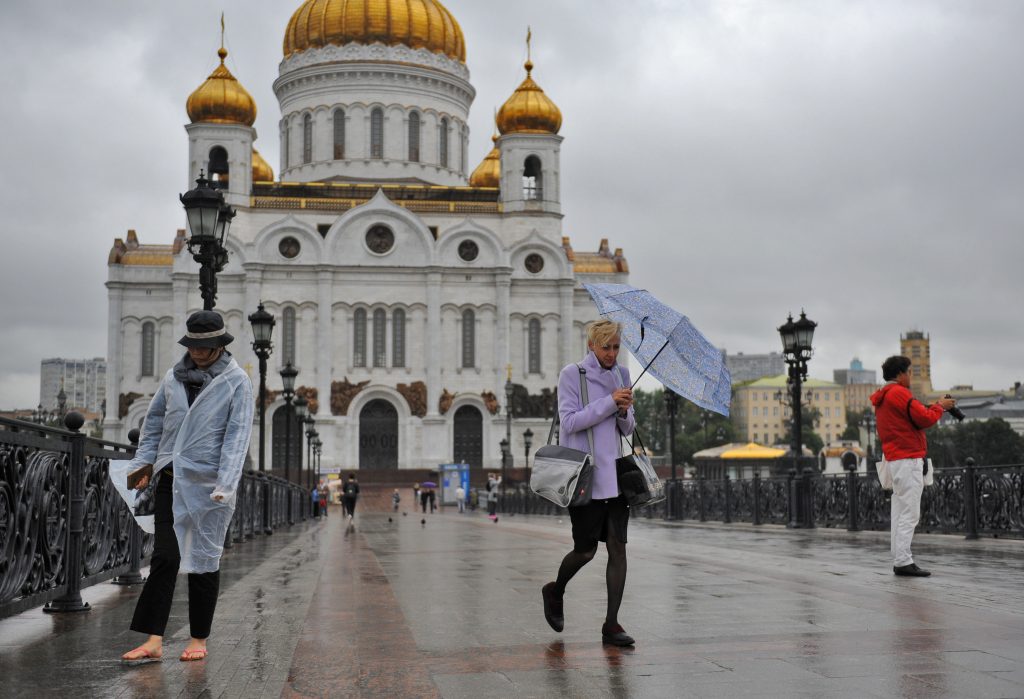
63 526
971 500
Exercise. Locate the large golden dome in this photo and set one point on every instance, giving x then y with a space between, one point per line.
221 99
488 172
261 170
529 110
414 23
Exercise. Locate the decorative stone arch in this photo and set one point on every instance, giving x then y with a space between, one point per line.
404 432
556 265
311 245
492 253
276 437
136 414
379 209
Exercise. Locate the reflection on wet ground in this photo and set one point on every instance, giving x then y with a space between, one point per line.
451 608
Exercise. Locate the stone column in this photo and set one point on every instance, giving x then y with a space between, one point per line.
324 337
112 426
502 287
433 340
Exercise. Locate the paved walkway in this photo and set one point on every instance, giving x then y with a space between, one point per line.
452 609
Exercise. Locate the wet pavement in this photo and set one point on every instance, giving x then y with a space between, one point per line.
452 609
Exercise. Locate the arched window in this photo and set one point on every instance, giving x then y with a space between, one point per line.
468 339
442 142
380 330
533 346
398 338
288 336
414 137
532 185
339 134
148 349
359 338
307 138
377 133
217 167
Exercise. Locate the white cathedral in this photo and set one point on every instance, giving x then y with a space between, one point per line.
406 290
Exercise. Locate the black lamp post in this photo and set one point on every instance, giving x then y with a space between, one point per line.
317 450
869 426
209 219
797 350
62 403
528 442
311 435
506 452
288 375
505 457
671 409
262 331
301 412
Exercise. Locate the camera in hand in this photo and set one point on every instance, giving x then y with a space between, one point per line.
955 411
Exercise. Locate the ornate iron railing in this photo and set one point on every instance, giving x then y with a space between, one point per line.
971 500
64 527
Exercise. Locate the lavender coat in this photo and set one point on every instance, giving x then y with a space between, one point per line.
600 414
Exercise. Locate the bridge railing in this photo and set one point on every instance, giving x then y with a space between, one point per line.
971 500
63 526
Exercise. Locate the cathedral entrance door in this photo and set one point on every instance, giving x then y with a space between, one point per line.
378 436
469 437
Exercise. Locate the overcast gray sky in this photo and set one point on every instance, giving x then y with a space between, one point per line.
863 160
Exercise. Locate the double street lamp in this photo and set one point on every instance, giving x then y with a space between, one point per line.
262 331
209 220
301 413
796 351
311 435
506 444
869 426
288 375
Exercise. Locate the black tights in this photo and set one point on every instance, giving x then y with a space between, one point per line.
615 575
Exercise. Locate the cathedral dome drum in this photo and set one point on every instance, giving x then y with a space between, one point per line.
414 23
221 99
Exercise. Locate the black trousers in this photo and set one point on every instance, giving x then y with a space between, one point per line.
154 605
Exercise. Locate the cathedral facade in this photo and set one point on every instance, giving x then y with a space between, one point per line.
408 290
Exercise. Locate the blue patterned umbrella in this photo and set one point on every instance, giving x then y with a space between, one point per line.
666 344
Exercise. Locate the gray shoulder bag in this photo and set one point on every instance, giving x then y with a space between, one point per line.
562 475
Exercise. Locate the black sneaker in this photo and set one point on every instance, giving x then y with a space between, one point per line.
615 635
911 569
552 607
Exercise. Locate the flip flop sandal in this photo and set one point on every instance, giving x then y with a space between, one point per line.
143 659
192 655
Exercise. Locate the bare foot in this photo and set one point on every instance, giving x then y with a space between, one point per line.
195 650
147 652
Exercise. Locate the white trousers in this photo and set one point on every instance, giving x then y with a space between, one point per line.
907 484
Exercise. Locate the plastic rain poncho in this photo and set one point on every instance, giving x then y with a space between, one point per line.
207 444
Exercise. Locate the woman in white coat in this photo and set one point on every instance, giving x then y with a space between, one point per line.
195 438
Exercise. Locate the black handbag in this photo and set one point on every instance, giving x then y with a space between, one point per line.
638 481
145 499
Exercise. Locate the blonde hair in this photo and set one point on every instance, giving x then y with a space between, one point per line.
600 332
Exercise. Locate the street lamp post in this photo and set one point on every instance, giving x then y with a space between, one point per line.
209 219
797 350
301 411
288 375
317 451
506 451
528 442
869 426
310 433
505 457
262 330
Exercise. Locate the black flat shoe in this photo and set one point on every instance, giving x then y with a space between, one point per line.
616 636
552 607
911 569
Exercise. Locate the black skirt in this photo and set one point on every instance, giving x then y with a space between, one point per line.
592 523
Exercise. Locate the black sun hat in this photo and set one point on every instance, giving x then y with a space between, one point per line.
206 329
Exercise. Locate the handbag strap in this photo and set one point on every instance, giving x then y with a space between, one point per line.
586 401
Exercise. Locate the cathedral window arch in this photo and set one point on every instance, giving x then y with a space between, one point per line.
398 338
377 133
533 186
307 139
217 167
442 142
148 349
414 137
359 338
288 336
380 334
339 134
533 345
468 339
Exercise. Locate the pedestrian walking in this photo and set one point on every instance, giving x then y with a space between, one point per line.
396 498
194 441
493 481
424 496
314 496
902 420
460 498
432 499
324 494
607 412
349 496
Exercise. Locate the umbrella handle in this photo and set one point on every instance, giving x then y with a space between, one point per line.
649 364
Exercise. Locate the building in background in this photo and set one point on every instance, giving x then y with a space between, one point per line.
760 409
855 374
84 382
858 384
751 367
917 345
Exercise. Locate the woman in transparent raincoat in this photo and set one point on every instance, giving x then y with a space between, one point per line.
195 436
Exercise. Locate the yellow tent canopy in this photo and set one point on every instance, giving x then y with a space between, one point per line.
752 451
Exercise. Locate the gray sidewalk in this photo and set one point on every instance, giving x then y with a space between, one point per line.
452 609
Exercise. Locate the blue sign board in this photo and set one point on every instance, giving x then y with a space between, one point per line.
453 476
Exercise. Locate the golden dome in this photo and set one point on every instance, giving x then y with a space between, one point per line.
414 23
261 170
221 99
488 172
529 110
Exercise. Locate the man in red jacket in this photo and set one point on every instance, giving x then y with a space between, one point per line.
902 420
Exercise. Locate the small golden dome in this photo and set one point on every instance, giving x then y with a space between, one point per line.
414 23
529 110
221 99
488 172
261 170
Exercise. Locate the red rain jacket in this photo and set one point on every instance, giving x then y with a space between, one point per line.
902 435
